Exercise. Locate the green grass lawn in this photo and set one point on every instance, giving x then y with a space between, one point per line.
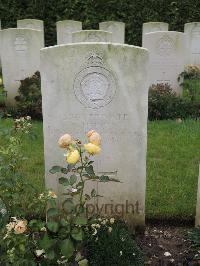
172 166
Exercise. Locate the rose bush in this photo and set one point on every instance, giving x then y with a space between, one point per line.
58 239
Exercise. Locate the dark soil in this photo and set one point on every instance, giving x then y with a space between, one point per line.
165 246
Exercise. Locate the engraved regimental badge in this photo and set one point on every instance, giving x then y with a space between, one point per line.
165 46
94 85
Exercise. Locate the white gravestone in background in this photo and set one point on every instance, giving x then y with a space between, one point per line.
33 24
91 36
116 28
64 30
168 56
153 26
192 31
100 86
20 57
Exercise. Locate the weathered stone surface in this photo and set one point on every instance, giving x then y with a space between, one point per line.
116 28
64 30
100 86
168 57
192 31
197 218
153 26
34 24
91 36
20 57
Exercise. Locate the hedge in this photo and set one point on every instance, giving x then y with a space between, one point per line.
133 12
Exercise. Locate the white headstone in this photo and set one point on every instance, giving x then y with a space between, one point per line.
117 29
154 26
197 218
34 24
192 31
91 36
100 86
168 56
20 57
64 30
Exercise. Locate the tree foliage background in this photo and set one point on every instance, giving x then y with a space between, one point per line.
133 12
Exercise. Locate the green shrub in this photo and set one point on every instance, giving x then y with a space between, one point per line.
190 81
164 103
194 237
116 247
29 100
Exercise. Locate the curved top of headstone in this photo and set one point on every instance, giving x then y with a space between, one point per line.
112 22
34 24
19 30
69 21
116 27
65 28
154 26
165 32
93 44
191 26
91 36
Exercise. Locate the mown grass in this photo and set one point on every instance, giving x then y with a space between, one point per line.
172 169
172 166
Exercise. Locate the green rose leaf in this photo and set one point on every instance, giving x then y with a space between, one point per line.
50 254
87 197
52 212
93 193
77 234
79 185
72 179
64 222
64 181
53 226
114 180
67 248
81 220
64 170
68 206
55 169
90 170
46 242
104 178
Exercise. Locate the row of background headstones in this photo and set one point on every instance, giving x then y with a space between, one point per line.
169 51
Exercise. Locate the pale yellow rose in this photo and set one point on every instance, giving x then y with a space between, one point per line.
21 227
90 133
64 141
92 148
112 220
1 82
52 194
73 157
94 137
10 226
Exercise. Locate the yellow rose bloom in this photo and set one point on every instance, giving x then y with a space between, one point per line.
94 137
73 157
64 141
20 227
92 148
1 82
